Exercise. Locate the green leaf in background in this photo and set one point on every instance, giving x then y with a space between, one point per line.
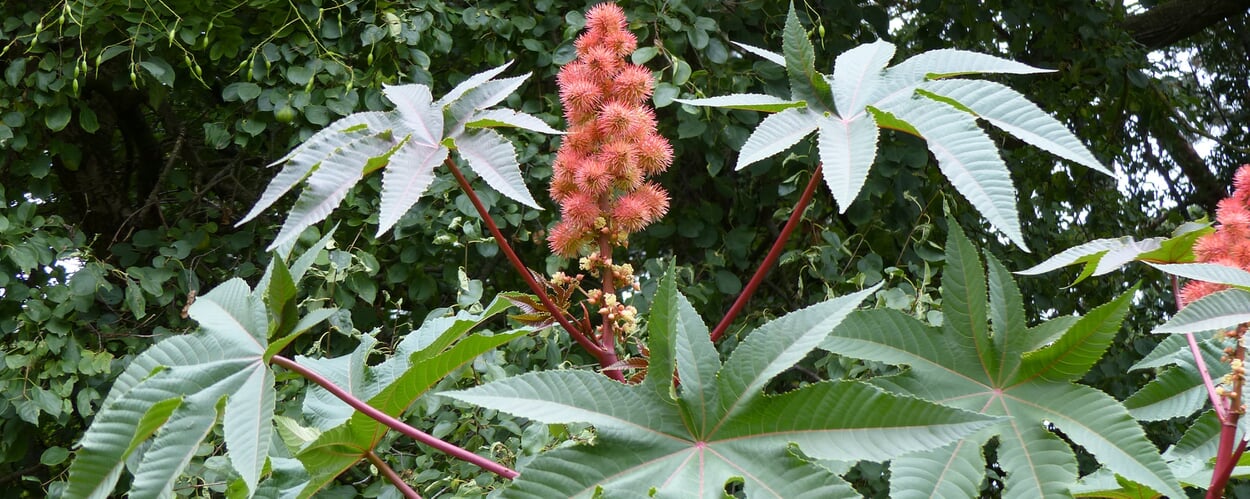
57 118
720 424
984 359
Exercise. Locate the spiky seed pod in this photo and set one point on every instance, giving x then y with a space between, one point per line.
599 176
1230 243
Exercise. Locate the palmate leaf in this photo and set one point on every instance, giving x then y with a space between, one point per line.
422 359
863 94
410 142
718 425
984 359
172 392
1102 256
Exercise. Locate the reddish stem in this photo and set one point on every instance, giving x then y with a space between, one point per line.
1216 401
605 356
608 337
395 424
1227 411
391 475
1224 460
771 258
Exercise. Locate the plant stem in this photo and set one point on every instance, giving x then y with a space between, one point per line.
608 337
1226 457
1216 402
1227 411
771 258
395 424
391 475
604 356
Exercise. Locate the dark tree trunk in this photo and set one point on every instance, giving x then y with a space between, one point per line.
1175 20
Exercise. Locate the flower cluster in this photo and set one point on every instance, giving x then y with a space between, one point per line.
601 170
1230 243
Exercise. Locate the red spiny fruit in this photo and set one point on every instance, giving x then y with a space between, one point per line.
1230 243
612 145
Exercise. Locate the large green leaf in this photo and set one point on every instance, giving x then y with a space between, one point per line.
410 141
867 95
974 362
222 360
718 424
967 157
1013 113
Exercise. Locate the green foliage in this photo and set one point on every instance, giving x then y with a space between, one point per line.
985 359
918 97
132 137
173 392
170 397
718 425
340 436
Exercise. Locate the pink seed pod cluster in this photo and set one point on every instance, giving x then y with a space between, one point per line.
1230 243
612 147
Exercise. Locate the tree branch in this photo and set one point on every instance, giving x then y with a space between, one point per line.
1170 22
